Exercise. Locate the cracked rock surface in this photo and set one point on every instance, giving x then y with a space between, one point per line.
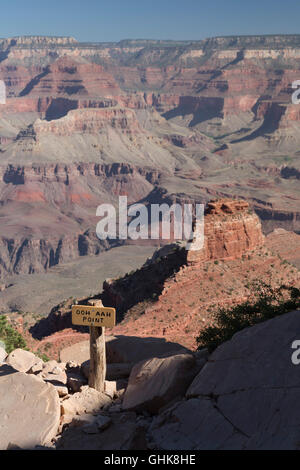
29 411
245 397
156 382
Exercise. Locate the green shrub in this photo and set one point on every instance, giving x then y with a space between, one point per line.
266 303
11 338
42 356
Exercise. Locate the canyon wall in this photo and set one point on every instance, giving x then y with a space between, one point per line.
184 120
48 212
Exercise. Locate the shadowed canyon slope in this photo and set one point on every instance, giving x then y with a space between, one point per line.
156 120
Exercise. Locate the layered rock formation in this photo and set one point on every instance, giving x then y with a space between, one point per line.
67 76
60 204
89 121
230 231
211 118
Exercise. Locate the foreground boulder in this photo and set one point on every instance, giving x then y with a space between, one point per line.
246 396
54 373
133 349
113 371
22 360
29 411
158 381
123 349
88 400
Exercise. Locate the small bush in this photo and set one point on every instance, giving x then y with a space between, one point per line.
266 303
11 338
42 356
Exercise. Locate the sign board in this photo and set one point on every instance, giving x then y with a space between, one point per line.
93 316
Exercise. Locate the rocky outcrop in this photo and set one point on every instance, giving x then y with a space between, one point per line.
230 231
153 300
89 121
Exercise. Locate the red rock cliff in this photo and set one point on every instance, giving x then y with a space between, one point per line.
230 230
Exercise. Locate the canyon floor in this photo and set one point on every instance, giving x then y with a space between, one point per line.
79 278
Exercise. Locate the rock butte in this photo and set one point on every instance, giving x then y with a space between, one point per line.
230 230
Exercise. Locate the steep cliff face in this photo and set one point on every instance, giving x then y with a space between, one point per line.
236 77
31 255
48 212
230 231
67 76
90 121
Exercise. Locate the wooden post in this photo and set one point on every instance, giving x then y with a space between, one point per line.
97 353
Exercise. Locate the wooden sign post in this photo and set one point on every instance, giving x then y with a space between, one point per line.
97 318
